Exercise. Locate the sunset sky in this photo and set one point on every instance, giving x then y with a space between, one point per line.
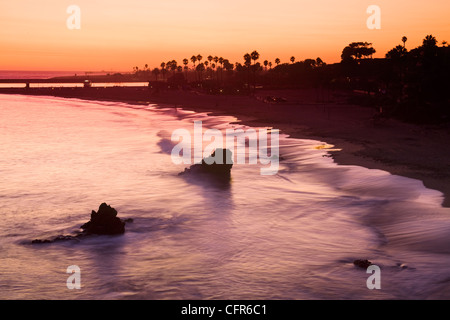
117 35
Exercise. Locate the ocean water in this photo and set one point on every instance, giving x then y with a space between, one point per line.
293 235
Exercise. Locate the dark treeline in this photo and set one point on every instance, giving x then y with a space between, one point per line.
412 85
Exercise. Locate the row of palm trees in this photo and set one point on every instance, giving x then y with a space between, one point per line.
210 65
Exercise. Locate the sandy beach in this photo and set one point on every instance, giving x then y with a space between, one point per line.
419 152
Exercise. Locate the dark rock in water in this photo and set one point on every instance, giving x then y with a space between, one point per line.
57 238
362 263
219 163
105 221
64 238
39 241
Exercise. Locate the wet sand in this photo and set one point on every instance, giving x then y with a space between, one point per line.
419 152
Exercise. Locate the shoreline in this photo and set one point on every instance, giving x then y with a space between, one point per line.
415 151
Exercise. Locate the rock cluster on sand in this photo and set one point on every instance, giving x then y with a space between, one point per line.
103 222
219 163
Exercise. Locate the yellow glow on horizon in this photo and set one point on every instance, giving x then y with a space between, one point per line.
118 35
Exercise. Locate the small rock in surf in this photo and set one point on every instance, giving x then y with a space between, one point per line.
364 264
104 221
219 163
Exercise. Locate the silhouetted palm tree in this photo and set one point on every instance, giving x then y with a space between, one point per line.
277 61
270 65
221 66
266 63
185 62
255 56
194 60
172 66
247 60
163 69
200 68
214 65
292 59
199 58
404 39
429 41
227 65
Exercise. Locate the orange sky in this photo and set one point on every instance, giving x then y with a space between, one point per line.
117 35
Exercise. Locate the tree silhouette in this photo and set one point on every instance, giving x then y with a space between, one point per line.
163 69
156 72
357 50
319 62
199 58
210 58
208 69
247 60
404 39
277 61
266 63
185 62
255 56
397 53
292 59
172 66
227 65
194 60
429 41
221 68
200 68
